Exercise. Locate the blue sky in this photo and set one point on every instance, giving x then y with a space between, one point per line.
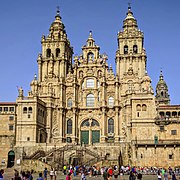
24 22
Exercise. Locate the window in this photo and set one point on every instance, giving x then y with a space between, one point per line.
48 53
135 49
90 83
90 100
110 126
28 138
29 116
125 49
173 132
11 127
85 123
57 52
170 156
161 128
30 110
144 107
11 109
111 101
0 109
90 56
11 118
25 110
5 109
69 103
94 123
69 126
138 107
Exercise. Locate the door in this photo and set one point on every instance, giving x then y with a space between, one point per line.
95 136
11 157
84 137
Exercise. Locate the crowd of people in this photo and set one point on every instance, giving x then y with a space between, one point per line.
107 173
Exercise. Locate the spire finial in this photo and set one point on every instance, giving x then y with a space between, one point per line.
129 6
90 33
57 10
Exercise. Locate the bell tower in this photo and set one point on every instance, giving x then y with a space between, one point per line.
131 53
162 96
56 54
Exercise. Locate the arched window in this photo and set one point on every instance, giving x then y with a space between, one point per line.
69 102
48 53
161 114
135 49
162 93
125 49
30 110
25 110
110 126
90 56
90 83
138 107
111 101
69 126
90 100
144 107
94 123
174 114
57 52
85 123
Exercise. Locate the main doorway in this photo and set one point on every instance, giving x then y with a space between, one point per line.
90 131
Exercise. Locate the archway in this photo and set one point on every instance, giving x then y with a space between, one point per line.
11 157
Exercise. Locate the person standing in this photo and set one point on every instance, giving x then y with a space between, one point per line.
40 177
173 176
51 173
45 173
116 173
1 174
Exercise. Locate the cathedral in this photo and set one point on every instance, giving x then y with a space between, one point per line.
79 111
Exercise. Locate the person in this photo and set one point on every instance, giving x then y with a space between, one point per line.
139 176
51 173
105 174
159 175
64 169
16 175
110 173
131 176
83 177
55 174
1 174
165 175
68 176
40 177
45 173
173 176
116 173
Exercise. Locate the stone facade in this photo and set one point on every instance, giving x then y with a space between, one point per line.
84 103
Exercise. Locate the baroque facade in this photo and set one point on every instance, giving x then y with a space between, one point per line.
81 104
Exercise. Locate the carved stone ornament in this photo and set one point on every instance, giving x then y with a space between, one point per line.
55 130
